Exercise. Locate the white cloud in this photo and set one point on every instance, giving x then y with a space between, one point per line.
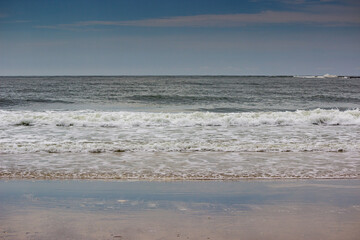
309 13
230 20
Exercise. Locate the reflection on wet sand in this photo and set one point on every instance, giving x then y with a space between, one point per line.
180 210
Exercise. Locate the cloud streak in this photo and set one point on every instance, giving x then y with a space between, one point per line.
229 20
17 21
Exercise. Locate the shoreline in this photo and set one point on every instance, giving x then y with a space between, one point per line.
159 180
118 209
181 166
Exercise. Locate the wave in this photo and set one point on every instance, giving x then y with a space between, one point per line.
331 98
8 102
316 130
146 119
12 102
180 166
96 147
318 76
166 99
38 100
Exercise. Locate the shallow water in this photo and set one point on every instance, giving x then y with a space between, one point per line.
181 165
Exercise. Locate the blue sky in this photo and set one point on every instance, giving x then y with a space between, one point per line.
173 37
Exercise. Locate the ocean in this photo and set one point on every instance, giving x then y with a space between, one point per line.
179 127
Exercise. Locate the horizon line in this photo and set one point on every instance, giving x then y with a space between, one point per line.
178 75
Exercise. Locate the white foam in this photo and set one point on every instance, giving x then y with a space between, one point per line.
88 131
318 76
145 119
181 166
175 146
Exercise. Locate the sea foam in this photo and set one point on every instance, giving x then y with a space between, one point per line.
316 130
146 119
181 166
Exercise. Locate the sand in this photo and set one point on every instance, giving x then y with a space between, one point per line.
81 209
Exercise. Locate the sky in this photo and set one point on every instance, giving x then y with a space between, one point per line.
179 37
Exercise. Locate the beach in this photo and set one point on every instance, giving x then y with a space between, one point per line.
96 209
179 157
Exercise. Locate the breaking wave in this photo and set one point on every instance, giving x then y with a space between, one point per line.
146 119
316 130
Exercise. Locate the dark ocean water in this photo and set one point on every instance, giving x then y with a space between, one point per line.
161 93
179 127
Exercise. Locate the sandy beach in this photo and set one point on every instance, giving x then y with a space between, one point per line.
84 209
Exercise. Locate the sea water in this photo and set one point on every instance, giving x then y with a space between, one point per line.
179 127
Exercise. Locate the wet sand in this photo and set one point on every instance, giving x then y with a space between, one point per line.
81 209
